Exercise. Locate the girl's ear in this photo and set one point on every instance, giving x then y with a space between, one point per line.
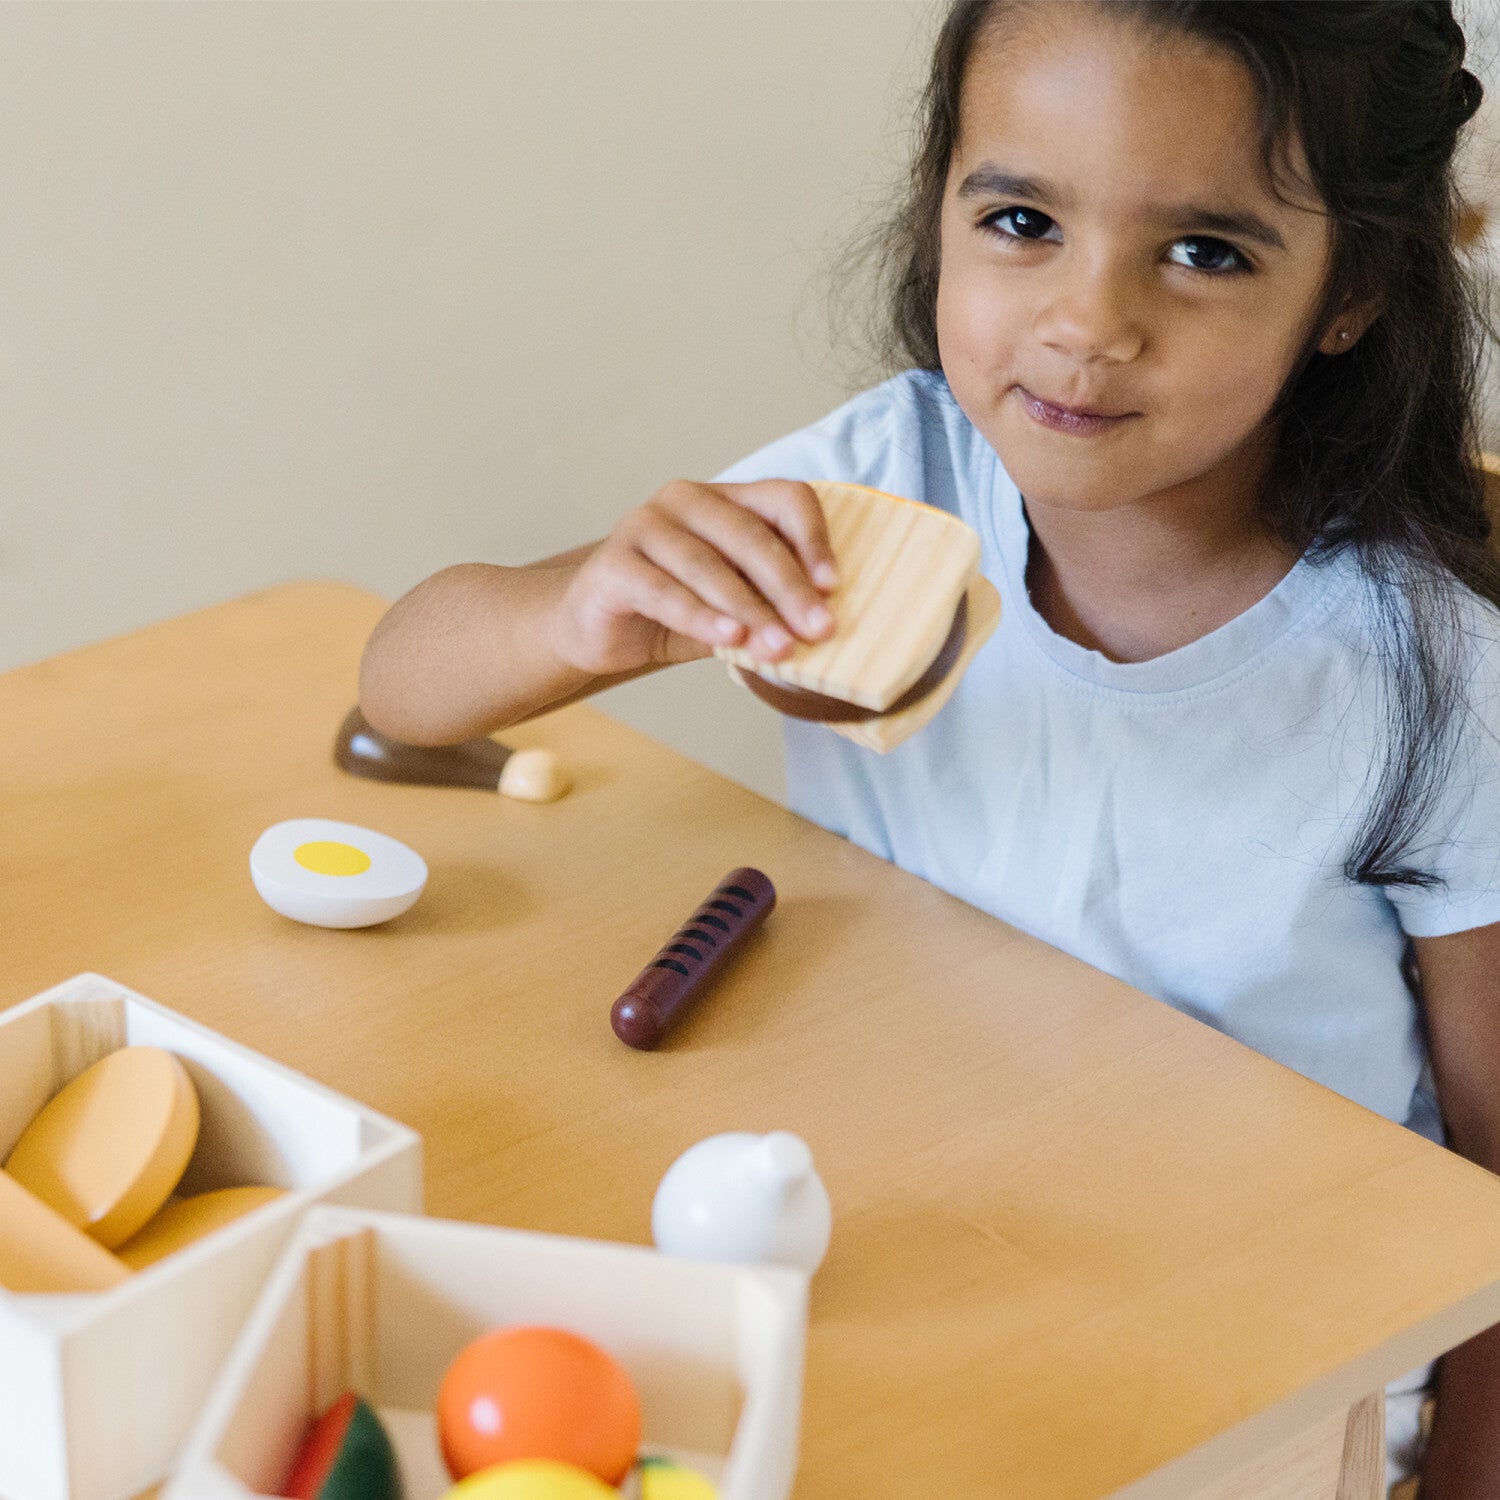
1347 328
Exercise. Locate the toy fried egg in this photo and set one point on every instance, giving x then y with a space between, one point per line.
335 874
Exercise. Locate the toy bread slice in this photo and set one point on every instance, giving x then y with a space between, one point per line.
886 731
903 567
41 1252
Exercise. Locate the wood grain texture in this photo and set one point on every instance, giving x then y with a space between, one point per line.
1490 468
1362 1476
341 1318
1082 1244
889 730
1305 1467
903 567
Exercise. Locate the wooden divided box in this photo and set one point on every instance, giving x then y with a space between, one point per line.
382 1303
98 1390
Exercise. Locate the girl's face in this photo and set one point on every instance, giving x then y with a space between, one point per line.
1111 245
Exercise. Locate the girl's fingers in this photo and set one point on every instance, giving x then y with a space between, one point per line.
685 556
749 544
793 509
655 594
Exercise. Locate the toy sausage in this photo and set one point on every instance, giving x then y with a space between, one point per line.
673 982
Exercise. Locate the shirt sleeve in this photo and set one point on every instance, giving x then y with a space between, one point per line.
853 444
1461 844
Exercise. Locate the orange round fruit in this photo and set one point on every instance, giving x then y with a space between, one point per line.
538 1393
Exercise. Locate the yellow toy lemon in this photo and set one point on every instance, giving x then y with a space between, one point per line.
662 1479
533 1479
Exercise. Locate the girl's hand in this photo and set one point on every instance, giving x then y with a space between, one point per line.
699 566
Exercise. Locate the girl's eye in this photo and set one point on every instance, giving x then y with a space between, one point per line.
1216 257
1029 224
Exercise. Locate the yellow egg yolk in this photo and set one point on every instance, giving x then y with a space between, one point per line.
328 858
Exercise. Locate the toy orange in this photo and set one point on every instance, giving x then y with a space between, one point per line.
535 1392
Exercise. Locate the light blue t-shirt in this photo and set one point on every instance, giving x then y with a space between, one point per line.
1183 822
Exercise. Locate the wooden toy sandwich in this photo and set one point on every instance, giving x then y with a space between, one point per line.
911 610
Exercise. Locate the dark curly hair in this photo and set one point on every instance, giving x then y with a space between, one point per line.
1377 448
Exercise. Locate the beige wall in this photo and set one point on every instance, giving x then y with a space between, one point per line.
358 290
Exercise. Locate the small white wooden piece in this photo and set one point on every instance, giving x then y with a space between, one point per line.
746 1198
97 1390
383 1303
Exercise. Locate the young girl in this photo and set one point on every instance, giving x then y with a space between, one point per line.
1189 347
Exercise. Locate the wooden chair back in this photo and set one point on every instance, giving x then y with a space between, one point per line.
1489 464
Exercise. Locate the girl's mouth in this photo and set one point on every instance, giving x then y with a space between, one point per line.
1069 419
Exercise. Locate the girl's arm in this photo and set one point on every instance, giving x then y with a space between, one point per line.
1461 992
475 648
467 651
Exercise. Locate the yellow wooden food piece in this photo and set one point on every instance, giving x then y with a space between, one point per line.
661 1479
534 775
184 1220
532 1479
41 1252
108 1148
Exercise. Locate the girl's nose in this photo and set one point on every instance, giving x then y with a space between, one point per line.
1092 318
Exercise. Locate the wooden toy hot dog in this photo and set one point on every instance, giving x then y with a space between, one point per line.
668 987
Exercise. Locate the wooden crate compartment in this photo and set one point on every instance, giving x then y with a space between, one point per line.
98 1391
382 1303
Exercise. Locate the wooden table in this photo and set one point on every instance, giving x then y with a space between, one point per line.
1083 1245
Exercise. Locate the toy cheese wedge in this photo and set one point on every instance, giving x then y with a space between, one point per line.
184 1221
911 610
40 1251
107 1149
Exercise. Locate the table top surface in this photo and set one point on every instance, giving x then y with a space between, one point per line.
1083 1245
